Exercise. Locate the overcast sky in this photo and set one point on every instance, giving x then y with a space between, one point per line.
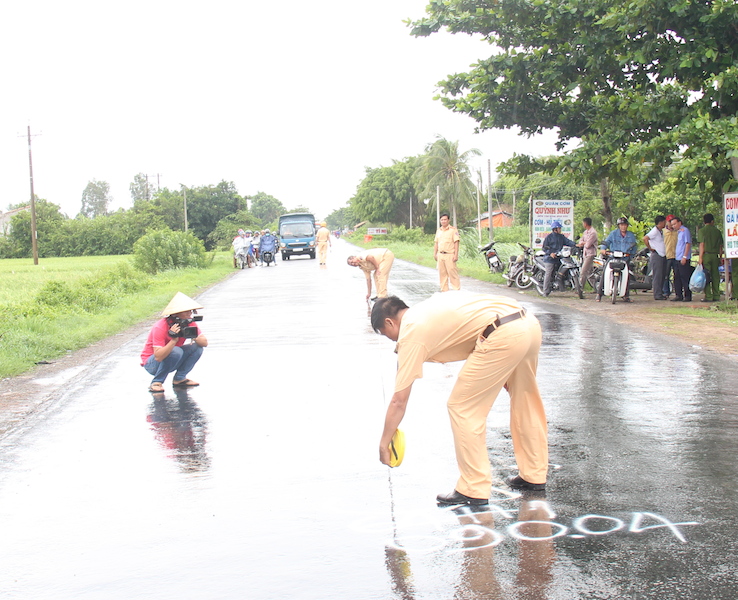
291 98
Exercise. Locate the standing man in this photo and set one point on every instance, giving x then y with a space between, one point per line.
446 253
711 255
500 345
552 245
654 241
323 239
682 265
588 244
619 240
378 260
670 241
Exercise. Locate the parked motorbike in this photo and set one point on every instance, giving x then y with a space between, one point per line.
520 269
616 274
566 276
640 271
493 260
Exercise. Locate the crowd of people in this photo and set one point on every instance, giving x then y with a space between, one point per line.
670 247
254 243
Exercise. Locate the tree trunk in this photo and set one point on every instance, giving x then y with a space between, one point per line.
606 202
453 210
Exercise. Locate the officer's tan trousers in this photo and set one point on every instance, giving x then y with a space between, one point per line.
448 272
322 252
385 266
509 355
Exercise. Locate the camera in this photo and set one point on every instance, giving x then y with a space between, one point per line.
186 330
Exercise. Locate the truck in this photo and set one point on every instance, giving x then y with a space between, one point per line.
297 235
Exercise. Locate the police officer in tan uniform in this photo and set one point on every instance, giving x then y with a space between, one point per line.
500 343
446 253
323 239
378 260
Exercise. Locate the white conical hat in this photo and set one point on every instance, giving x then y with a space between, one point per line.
179 303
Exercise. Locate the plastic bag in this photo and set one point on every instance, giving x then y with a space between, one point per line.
698 280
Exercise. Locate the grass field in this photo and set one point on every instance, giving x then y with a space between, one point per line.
63 304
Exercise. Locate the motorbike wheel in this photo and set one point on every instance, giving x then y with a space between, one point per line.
524 280
510 280
578 287
615 288
539 286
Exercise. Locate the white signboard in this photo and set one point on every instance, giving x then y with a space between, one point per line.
730 202
545 212
376 231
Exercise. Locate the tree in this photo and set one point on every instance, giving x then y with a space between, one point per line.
638 85
140 189
95 199
341 218
443 165
385 194
48 219
266 208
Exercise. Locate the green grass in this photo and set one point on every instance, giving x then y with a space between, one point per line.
63 304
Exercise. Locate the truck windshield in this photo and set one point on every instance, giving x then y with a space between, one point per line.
293 230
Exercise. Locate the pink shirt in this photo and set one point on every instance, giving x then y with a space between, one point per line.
158 337
589 237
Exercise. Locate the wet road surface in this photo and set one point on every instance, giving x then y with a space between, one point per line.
264 483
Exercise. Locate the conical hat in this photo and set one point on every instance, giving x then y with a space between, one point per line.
179 303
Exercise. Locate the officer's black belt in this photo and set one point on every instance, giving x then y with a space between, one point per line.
501 321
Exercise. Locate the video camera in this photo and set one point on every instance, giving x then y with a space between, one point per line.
185 329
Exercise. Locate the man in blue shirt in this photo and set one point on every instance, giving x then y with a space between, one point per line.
619 240
552 244
683 267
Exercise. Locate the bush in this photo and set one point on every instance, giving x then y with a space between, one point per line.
403 234
165 250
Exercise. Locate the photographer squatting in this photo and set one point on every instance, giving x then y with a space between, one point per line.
165 350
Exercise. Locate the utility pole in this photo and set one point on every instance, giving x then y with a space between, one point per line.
184 189
489 200
34 242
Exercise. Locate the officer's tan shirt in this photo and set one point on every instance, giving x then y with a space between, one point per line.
375 253
323 235
444 328
447 239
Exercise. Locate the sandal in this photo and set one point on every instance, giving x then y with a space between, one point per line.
185 383
156 387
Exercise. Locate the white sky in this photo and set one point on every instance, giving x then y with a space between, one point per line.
291 98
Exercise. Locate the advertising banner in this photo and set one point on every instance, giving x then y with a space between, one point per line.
545 212
730 206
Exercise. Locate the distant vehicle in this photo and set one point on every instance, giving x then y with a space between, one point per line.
297 235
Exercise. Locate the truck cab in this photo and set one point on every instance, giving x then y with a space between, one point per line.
297 235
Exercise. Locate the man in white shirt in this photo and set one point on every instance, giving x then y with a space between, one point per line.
654 241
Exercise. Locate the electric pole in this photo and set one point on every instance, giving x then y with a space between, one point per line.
34 242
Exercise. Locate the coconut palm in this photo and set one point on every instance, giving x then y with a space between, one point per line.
443 165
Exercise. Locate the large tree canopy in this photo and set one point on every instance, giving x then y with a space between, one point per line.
640 85
95 199
266 208
385 194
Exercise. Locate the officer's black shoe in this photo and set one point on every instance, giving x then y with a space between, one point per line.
518 483
459 498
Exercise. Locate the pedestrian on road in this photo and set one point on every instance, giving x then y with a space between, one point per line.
552 245
711 255
378 260
683 262
670 242
165 350
323 239
588 244
500 344
654 241
446 254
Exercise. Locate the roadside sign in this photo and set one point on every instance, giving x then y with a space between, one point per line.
730 210
545 212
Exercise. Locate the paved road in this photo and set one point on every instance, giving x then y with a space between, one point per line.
264 483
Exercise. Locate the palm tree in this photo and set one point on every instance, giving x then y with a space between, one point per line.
443 165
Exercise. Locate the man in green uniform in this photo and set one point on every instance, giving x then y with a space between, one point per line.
711 254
